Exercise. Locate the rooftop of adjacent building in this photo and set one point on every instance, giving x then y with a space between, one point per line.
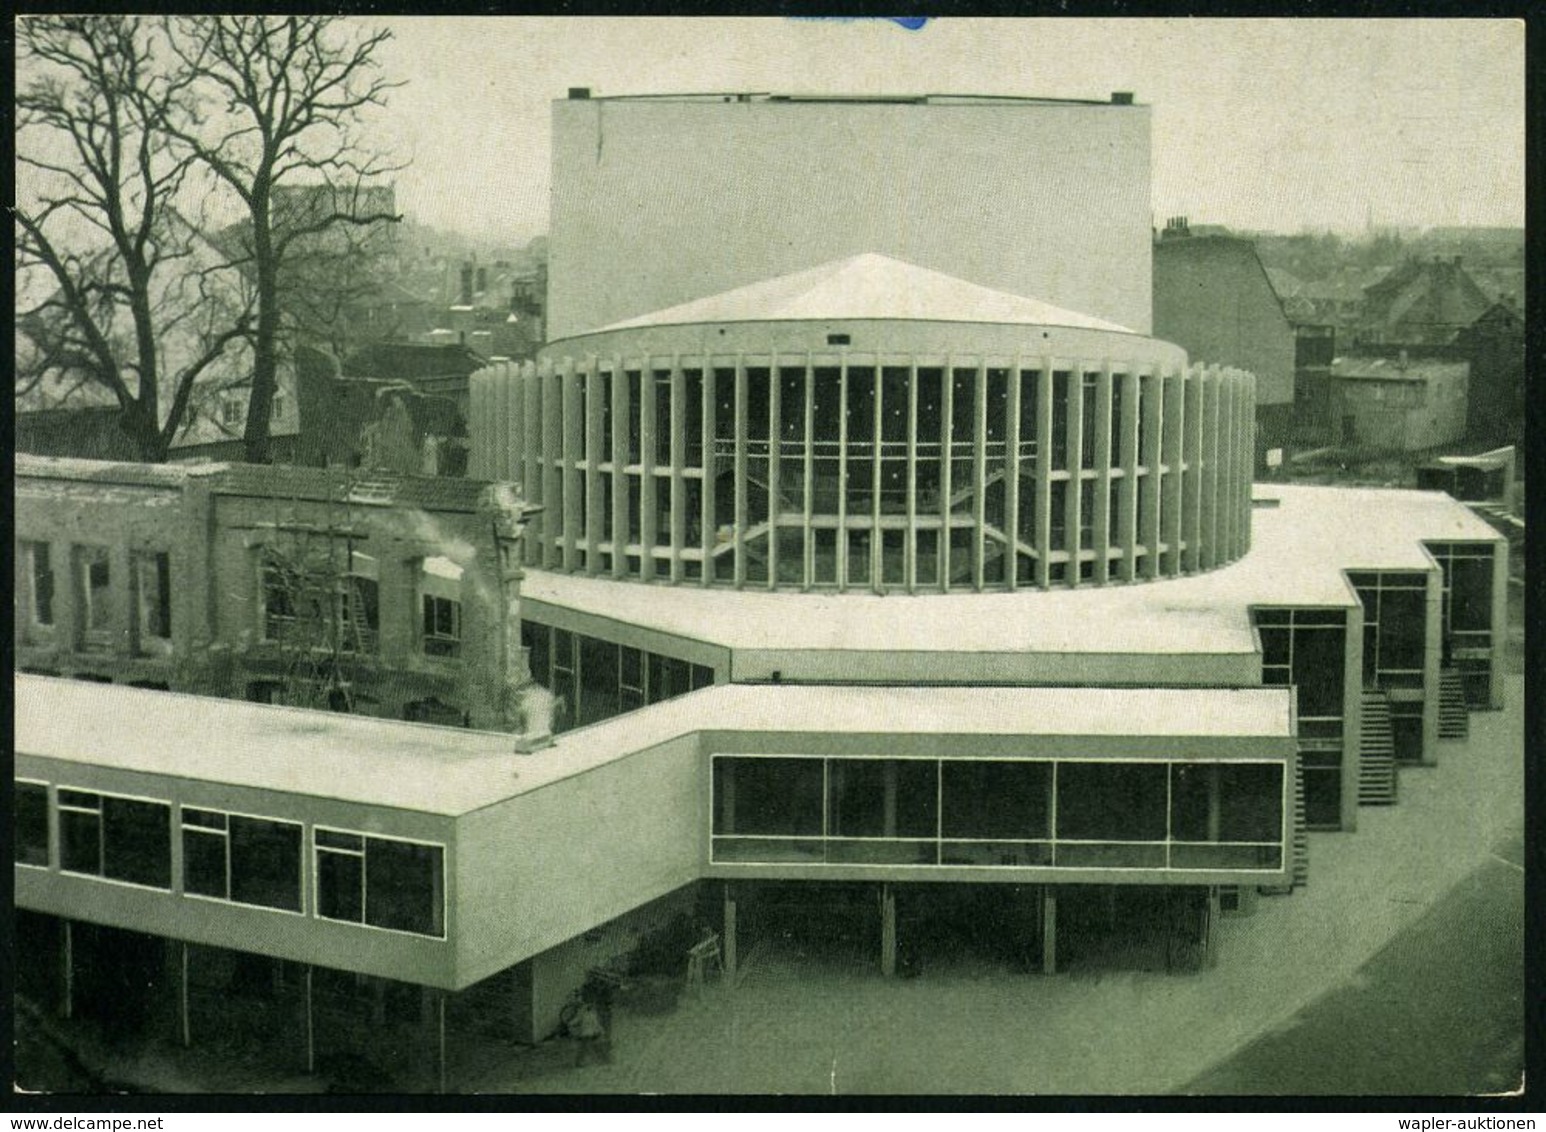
586 94
1303 539
64 475
452 771
866 286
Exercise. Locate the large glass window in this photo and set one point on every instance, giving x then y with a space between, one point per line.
30 817
991 812
882 798
137 841
768 797
382 882
265 862
80 832
1100 801
247 860
993 800
125 839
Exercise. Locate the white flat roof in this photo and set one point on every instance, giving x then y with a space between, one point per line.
1300 548
451 771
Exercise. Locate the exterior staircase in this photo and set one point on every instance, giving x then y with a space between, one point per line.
1454 717
1300 856
1377 753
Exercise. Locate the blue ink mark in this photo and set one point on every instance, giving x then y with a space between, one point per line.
911 23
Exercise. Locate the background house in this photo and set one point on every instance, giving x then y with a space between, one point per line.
1213 298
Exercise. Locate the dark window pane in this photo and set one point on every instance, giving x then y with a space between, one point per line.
767 796
403 887
80 842
204 863
340 890
1471 596
598 680
1323 796
1318 657
1190 788
1401 629
535 638
137 841
985 799
1111 801
266 863
333 839
1250 803
1274 645
31 820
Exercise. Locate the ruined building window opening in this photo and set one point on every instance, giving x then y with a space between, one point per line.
95 573
152 571
38 565
440 584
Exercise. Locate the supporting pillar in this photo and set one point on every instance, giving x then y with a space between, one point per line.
729 956
311 1032
887 930
1049 931
1499 622
1210 923
67 973
440 1025
184 1030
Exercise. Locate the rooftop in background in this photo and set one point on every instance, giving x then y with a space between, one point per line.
1302 541
452 771
867 286
1395 369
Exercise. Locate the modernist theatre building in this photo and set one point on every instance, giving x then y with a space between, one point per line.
862 585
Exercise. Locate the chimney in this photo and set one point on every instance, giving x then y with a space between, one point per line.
1121 98
466 298
482 280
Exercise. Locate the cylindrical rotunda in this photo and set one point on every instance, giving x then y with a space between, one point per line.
869 425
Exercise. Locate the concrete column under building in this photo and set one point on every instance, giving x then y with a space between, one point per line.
1500 584
67 972
311 1029
184 1027
1433 652
729 956
1049 930
1352 715
1210 948
887 930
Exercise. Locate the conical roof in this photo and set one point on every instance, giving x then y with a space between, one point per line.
867 286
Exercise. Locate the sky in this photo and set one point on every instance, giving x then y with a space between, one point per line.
1280 125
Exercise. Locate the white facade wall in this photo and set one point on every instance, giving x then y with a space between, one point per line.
657 202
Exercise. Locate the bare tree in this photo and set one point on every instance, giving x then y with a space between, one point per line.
276 103
116 271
